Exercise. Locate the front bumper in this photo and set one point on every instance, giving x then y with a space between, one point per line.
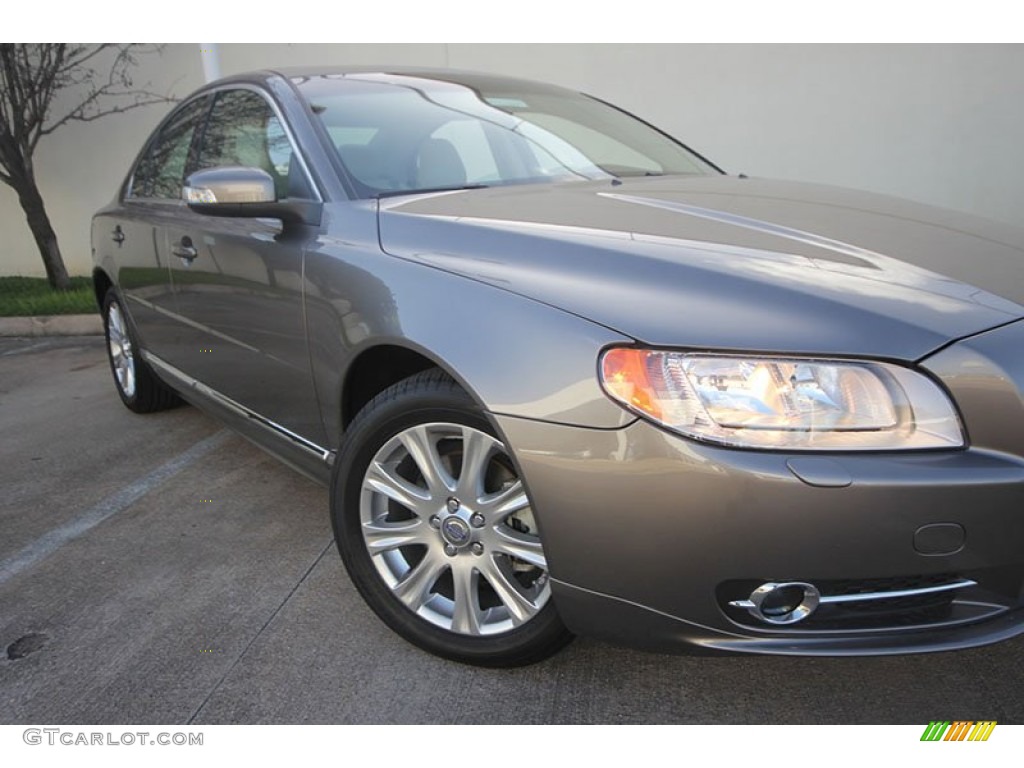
649 536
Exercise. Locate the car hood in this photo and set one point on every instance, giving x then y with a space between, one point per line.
727 263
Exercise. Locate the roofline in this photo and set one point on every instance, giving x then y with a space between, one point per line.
455 76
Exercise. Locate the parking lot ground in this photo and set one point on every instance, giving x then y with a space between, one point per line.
163 570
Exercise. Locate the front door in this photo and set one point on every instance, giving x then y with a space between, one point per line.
238 281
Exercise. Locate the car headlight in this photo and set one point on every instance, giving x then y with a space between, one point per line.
793 404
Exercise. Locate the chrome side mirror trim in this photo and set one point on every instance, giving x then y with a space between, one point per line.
229 185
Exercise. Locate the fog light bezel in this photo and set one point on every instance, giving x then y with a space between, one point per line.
810 600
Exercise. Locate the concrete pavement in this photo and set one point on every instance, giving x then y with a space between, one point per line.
163 570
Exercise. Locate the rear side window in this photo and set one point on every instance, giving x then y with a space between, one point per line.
161 172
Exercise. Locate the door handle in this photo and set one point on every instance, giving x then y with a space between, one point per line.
117 235
185 250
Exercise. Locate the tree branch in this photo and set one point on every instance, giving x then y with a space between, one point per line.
33 75
73 63
149 99
118 87
95 79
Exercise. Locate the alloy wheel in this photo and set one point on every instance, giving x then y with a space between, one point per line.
448 526
121 353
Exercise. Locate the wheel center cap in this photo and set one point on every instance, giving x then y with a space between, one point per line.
456 531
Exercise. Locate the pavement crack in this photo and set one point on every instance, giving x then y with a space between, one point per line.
259 632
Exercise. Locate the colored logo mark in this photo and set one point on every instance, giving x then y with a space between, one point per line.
958 730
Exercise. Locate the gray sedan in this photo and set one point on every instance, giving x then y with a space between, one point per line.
564 375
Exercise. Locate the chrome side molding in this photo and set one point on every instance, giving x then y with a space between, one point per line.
186 382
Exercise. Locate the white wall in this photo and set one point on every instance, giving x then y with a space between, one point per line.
936 123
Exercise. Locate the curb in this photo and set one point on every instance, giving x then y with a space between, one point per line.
52 325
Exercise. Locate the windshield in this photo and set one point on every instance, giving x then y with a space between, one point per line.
401 134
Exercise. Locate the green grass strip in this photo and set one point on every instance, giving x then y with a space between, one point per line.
25 296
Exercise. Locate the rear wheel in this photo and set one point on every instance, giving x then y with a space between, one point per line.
435 528
139 388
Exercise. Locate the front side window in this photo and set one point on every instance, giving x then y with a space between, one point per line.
243 130
160 173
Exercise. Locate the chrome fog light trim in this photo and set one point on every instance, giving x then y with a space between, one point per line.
785 602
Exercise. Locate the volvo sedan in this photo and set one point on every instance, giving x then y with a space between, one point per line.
563 375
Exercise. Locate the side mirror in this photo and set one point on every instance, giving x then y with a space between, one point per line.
230 185
238 192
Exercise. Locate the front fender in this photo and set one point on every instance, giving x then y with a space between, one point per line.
516 356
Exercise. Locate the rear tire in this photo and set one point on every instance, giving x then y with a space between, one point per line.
138 387
436 531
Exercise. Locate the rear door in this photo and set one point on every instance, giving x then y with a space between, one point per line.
150 203
238 281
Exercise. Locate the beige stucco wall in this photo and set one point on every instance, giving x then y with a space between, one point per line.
939 124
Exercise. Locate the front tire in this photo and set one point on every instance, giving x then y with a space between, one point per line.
436 530
138 387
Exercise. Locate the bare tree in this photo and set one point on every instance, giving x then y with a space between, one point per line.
44 86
